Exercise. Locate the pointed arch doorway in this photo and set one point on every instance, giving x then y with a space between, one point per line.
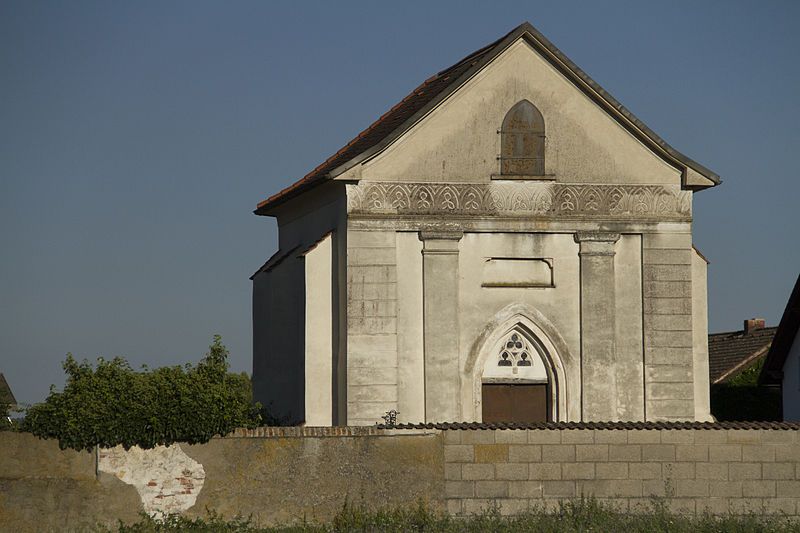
516 380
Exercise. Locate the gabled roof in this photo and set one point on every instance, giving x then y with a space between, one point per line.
435 89
772 372
730 352
6 396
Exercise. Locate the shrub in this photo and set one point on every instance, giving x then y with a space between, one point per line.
113 404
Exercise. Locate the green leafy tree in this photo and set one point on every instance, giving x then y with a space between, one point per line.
110 403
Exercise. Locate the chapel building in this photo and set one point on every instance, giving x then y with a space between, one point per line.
506 244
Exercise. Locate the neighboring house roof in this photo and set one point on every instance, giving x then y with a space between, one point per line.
435 89
6 396
772 372
733 351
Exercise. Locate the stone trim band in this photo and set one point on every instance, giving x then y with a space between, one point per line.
515 199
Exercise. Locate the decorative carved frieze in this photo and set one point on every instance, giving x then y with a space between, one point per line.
519 199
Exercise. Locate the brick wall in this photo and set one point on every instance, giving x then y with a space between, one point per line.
694 470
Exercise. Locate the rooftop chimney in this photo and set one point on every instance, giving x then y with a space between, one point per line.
752 324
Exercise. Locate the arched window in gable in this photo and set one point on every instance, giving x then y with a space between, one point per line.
522 141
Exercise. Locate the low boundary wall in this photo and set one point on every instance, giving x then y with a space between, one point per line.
279 475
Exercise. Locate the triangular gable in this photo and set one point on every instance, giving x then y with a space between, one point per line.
400 118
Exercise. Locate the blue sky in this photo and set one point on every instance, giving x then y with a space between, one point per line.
136 139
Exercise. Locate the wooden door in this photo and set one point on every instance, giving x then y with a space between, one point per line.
515 403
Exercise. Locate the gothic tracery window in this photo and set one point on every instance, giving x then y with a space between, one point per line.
515 351
522 141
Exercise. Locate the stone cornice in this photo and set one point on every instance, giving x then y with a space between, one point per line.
554 200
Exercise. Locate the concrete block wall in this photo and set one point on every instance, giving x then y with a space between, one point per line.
668 341
693 470
371 325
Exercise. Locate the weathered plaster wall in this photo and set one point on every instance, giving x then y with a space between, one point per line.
702 392
273 480
583 145
318 321
279 309
371 326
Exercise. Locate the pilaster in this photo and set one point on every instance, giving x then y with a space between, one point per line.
440 326
598 325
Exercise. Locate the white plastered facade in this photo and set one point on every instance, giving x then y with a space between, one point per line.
435 258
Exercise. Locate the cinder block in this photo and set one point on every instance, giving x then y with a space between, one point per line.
577 436
625 453
459 489
758 453
715 506
788 489
644 436
706 436
659 356
491 453
715 471
610 436
681 505
510 436
620 505
778 436
780 506
454 507
677 436
658 452
524 453
512 507
787 452
451 436
744 436
678 470
558 489
741 471
644 471
657 488
544 436
491 489
452 472
525 489
544 471
725 453
558 453
691 488
577 471
458 453
725 489
691 452
512 471
611 471
757 488
591 452
477 505
778 471
473 472
742 506
478 436
617 488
